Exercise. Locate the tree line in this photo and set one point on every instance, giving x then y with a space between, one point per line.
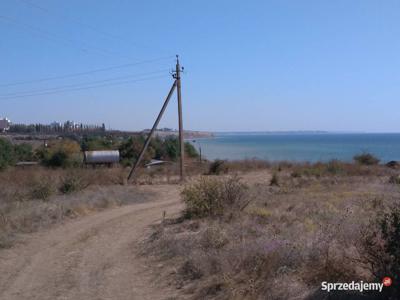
68 152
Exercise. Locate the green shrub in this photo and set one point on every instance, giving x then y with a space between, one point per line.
366 159
92 143
6 154
58 159
190 150
212 197
60 153
217 167
130 149
23 152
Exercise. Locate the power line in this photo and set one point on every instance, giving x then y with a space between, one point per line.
52 37
86 72
80 84
87 87
47 11
80 23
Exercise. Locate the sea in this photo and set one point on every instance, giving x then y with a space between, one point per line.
299 147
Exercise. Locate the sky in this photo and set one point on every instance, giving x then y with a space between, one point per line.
255 65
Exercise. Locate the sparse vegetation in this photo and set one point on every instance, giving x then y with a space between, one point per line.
213 197
237 238
6 154
42 189
72 182
366 159
274 180
38 197
395 179
218 167
286 239
381 250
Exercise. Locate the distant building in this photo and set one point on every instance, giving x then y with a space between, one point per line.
56 127
4 124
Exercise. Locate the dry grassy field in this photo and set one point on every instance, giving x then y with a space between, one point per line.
278 232
248 229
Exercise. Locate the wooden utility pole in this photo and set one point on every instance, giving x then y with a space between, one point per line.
181 142
177 84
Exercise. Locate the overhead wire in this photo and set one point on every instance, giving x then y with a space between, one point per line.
49 36
82 24
85 87
80 84
78 74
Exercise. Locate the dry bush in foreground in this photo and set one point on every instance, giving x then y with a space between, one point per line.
212 197
381 250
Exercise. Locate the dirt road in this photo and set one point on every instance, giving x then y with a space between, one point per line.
90 258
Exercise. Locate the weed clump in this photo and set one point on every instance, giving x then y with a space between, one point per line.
394 179
218 167
212 197
42 190
72 183
381 250
366 159
274 180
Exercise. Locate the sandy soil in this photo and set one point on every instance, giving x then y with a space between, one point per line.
90 258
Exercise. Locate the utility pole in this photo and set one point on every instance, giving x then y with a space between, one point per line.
177 84
181 142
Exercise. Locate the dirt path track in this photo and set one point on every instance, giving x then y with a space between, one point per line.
90 258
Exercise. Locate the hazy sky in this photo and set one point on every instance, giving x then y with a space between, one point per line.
250 65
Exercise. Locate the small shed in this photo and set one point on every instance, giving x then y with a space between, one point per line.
107 157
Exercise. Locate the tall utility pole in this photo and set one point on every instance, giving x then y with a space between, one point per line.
176 84
181 142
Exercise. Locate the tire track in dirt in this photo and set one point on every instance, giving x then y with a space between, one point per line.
90 258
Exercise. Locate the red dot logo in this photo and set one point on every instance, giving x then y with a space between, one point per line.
387 281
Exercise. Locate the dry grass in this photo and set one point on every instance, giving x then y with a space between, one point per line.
287 240
34 198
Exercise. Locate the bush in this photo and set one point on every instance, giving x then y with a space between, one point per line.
23 152
6 154
58 159
366 159
72 183
190 150
62 154
212 197
217 167
42 190
394 179
130 150
92 143
274 180
334 167
381 251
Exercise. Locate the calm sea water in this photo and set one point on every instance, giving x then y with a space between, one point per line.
300 146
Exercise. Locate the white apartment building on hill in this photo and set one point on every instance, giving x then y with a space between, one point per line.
4 124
